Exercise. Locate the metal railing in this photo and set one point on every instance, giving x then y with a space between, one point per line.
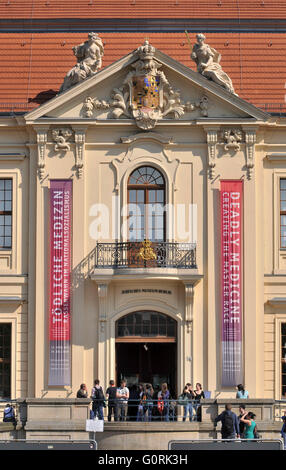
145 254
140 410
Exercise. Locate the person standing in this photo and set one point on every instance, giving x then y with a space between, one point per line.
123 396
192 393
140 411
164 402
250 425
111 397
241 392
133 402
98 400
229 420
148 406
82 392
185 399
199 394
283 430
241 414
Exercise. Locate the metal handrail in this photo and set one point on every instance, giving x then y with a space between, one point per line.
118 255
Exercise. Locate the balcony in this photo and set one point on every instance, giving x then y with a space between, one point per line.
145 254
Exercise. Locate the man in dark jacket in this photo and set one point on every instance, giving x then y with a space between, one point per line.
229 421
98 400
82 392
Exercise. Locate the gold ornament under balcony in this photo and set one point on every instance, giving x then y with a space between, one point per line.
146 252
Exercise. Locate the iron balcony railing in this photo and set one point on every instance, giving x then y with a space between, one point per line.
145 254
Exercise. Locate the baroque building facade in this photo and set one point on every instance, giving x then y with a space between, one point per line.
142 291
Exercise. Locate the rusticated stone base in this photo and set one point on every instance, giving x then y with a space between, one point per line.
56 418
151 436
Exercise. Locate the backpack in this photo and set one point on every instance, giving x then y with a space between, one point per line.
98 395
183 400
160 406
144 399
228 424
9 414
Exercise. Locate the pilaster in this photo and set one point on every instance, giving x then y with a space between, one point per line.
42 137
79 149
187 365
212 137
102 362
250 140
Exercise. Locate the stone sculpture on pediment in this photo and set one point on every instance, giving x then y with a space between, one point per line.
145 95
208 63
89 60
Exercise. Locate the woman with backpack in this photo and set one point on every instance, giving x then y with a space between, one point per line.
164 402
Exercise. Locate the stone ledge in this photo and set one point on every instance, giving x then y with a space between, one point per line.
75 425
246 401
178 426
4 427
56 401
160 426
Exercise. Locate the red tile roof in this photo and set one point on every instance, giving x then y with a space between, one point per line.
34 9
34 64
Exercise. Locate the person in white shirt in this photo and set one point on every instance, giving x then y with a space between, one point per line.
123 396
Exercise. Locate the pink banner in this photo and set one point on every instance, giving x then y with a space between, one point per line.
60 282
231 194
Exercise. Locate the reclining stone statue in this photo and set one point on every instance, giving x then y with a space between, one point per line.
208 63
89 60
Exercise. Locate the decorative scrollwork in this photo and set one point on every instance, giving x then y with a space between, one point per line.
60 136
232 139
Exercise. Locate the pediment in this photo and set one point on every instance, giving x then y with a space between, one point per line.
175 94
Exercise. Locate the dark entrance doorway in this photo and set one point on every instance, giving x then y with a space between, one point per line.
146 349
153 363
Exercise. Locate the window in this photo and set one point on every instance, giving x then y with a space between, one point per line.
146 199
146 324
5 360
283 213
5 213
283 359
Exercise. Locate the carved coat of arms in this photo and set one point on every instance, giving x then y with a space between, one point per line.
146 88
145 95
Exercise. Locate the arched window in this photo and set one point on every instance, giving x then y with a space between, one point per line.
146 199
146 324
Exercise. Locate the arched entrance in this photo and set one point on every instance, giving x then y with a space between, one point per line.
146 349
